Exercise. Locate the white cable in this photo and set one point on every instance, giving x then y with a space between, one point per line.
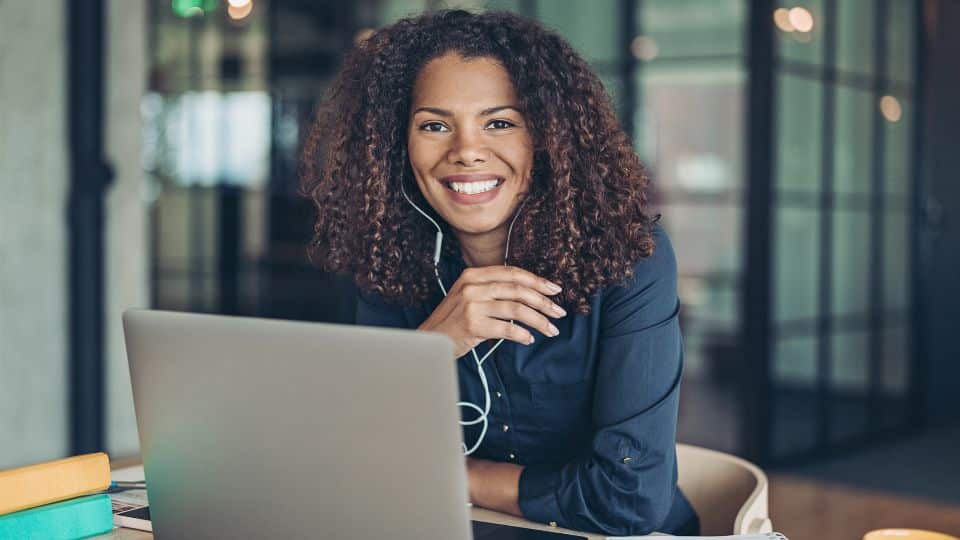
485 411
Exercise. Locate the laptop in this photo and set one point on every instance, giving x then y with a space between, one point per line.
256 428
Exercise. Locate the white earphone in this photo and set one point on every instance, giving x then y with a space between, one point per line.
483 412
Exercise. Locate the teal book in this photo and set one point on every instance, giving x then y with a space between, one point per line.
65 520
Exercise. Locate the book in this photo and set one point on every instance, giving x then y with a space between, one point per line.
64 520
44 483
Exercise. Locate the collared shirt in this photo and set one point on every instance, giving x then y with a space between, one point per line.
591 414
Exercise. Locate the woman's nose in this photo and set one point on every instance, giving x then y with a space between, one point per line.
467 148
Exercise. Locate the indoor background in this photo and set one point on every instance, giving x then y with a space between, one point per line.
803 156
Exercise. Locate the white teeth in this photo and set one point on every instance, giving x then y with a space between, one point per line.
472 188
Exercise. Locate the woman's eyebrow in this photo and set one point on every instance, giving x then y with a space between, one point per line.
484 112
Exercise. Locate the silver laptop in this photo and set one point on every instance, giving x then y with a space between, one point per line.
255 428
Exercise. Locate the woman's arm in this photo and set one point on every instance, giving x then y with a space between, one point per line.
494 485
624 483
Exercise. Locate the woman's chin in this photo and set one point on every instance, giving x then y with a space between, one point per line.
475 227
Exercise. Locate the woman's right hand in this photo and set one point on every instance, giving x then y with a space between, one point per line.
484 300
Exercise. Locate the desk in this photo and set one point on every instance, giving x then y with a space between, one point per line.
478 514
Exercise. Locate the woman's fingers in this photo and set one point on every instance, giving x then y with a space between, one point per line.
512 274
505 330
515 311
530 297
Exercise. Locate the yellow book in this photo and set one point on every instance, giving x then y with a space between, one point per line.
45 483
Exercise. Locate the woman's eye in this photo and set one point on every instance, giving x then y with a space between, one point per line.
500 124
433 126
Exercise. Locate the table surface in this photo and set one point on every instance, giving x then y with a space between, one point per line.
477 514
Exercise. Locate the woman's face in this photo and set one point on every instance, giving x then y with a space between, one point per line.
469 145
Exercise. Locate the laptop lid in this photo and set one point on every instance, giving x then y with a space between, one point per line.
263 428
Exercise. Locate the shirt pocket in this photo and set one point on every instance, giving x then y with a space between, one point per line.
562 407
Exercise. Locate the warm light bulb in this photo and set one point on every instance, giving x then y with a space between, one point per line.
239 12
644 48
239 3
801 19
890 108
781 17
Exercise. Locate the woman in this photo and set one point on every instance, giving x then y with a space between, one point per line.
470 174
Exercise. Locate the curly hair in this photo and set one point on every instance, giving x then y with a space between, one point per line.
584 223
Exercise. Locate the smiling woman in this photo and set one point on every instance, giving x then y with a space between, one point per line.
480 152
470 150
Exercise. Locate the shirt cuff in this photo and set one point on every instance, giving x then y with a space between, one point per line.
537 497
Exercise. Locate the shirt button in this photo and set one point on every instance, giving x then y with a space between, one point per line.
552 524
506 427
626 460
513 456
499 395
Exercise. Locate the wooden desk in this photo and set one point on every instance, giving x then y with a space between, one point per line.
479 514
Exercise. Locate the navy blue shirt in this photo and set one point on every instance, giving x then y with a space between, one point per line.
591 413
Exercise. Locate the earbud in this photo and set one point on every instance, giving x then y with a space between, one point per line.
485 411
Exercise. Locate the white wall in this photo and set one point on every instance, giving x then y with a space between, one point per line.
34 186
33 193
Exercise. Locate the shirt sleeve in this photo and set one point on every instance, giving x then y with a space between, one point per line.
373 311
624 484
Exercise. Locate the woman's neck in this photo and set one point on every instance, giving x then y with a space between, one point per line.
485 249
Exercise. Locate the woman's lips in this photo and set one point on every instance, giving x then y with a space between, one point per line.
473 198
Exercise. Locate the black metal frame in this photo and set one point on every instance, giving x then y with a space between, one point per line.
825 300
918 367
877 293
756 401
90 177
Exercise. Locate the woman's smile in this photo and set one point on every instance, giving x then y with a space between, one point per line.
474 188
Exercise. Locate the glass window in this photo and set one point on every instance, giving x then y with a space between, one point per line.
706 237
710 305
853 140
849 383
799 30
391 11
799 133
794 373
591 27
680 28
897 260
855 36
708 246
898 125
613 84
851 262
901 35
693 132
796 263
895 376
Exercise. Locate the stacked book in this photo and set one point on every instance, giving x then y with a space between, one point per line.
59 499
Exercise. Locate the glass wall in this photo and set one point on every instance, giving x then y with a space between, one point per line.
232 94
840 258
690 117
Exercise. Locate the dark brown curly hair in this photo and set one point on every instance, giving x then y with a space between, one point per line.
583 223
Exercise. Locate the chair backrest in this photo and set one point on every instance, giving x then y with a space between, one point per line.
728 493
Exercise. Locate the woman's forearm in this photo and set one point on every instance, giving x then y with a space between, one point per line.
494 485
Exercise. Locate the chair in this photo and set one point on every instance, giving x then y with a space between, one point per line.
728 493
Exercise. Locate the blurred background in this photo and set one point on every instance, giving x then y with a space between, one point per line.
804 156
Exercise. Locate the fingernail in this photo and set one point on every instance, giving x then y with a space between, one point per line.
553 331
554 287
559 310
530 340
